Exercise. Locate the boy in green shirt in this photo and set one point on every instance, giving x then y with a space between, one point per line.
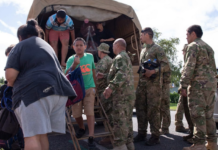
86 63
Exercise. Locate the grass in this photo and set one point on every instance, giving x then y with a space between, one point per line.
173 106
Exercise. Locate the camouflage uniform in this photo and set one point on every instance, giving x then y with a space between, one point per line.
182 107
179 112
199 78
165 102
103 66
148 95
121 81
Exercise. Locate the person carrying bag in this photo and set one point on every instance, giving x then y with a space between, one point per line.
9 125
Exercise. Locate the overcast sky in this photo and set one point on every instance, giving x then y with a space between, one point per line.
171 17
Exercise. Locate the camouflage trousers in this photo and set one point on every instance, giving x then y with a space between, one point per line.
122 119
107 105
148 100
179 112
201 106
165 118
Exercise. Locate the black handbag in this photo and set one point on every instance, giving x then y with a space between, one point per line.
9 125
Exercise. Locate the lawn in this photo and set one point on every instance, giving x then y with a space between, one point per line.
173 106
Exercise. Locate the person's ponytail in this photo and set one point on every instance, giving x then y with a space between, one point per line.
28 30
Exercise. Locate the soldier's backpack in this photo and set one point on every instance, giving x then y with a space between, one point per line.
76 79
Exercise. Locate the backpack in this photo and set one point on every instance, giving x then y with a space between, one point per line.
9 125
2 89
76 79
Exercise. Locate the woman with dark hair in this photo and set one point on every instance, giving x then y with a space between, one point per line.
40 89
41 32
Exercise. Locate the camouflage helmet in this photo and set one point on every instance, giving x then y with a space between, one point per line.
103 47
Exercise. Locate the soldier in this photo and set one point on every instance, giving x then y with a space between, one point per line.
165 104
184 101
180 107
121 91
179 116
148 95
102 70
198 82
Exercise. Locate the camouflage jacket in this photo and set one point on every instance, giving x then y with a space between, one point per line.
167 77
199 69
103 66
185 50
120 77
152 52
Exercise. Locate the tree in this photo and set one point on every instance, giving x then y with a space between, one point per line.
169 46
2 80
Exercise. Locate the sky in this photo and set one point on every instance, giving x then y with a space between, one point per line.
170 17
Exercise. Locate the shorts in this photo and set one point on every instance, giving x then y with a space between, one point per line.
88 102
55 35
43 116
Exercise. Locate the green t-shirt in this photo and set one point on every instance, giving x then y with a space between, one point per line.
86 66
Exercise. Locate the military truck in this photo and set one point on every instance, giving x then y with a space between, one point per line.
119 18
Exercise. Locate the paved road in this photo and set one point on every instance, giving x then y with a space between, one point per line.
171 142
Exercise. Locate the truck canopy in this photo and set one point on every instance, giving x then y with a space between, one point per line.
119 18
79 9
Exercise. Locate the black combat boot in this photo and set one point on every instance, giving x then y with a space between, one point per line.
154 140
185 138
91 143
80 133
140 137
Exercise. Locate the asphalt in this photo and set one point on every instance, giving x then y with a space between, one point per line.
173 141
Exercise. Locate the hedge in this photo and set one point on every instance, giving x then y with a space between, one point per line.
174 97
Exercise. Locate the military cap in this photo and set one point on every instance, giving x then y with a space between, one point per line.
103 47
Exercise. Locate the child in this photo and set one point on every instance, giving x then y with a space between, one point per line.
86 63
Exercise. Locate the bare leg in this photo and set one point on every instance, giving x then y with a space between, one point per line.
91 125
44 142
54 45
80 122
64 51
33 143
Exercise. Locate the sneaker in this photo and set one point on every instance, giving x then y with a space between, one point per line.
154 140
91 143
80 133
140 137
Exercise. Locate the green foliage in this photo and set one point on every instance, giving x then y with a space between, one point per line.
169 46
173 106
2 80
176 74
174 97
